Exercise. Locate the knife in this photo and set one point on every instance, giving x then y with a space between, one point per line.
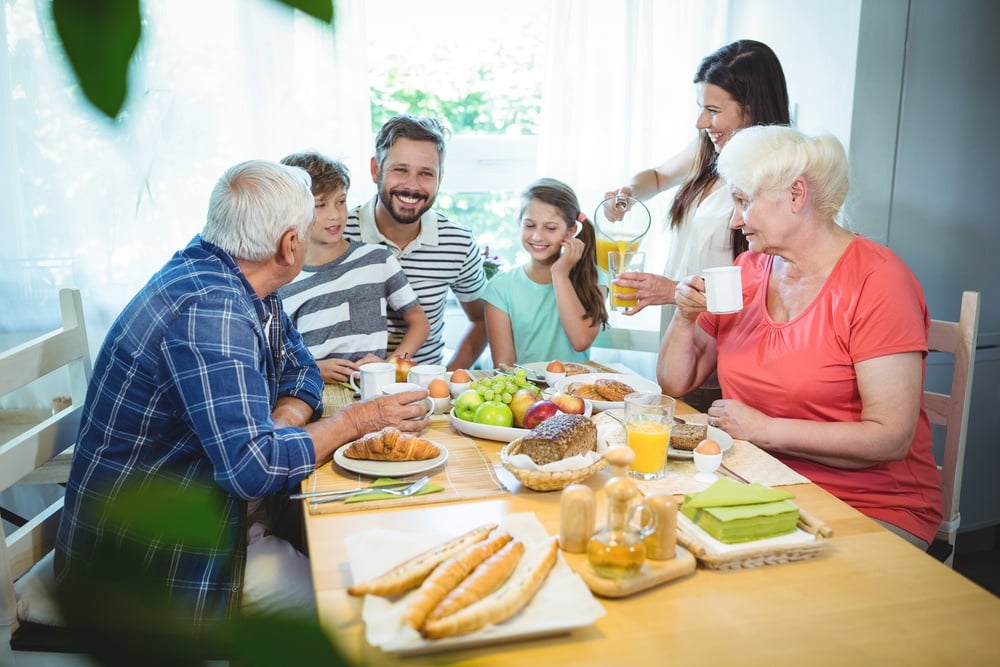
346 492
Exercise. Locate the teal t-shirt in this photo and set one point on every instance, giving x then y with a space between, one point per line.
534 318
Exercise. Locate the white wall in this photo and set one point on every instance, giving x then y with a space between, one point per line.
816 41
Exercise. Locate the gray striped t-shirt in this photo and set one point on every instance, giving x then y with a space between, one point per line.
341 308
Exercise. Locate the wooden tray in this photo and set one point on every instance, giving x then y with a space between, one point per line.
653 573
754 554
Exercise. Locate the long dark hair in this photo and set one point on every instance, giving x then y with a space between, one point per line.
583 275
752 75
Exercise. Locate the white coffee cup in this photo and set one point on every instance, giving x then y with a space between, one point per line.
372 377
400 387
422 374
723 289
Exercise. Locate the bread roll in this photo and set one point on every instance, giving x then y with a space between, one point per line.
412 573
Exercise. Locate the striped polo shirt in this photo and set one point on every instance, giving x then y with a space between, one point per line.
444 256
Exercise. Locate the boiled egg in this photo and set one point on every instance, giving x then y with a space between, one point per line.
438 388
556 367
460 376
708 447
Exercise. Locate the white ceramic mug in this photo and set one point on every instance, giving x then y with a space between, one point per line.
372 377
399 387
723 289
422 374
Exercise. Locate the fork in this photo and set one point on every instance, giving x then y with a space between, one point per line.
401 493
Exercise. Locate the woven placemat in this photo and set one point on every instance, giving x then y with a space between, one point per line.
468 472
744 458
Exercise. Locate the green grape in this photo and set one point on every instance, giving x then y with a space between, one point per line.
509 388
488 394
482 391
521 373
521 382
506 397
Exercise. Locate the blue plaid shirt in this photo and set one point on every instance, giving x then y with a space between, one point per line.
182 392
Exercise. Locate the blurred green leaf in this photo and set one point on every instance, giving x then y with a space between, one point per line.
321 9
99 37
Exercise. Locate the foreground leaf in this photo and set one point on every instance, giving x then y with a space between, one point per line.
99 37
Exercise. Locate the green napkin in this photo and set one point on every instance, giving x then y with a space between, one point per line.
732 512
726 492
387 481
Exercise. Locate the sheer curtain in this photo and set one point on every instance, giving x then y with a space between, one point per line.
618 99
100 205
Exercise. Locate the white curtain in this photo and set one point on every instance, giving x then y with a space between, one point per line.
619 98
618 95
100 205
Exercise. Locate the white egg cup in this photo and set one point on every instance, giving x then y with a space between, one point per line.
458 387
707 464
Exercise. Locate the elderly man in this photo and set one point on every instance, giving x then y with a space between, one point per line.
202 383
436 253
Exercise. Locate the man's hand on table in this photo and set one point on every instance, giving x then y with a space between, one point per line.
397 410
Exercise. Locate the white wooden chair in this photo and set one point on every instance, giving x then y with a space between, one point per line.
28 457
952 410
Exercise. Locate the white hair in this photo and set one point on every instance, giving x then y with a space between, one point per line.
253 204
770 157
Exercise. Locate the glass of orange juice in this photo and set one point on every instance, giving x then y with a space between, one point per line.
648 418
623 298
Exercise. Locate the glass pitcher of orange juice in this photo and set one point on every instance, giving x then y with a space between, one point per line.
621 223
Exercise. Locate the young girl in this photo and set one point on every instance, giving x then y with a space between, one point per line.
552 307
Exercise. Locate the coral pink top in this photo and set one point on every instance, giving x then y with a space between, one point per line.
871 305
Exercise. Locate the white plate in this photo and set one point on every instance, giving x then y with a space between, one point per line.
561 604
637 382
724 439
389 468
499 433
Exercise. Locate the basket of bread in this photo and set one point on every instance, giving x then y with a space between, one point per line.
560 451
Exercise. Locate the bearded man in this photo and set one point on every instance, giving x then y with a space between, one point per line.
436 254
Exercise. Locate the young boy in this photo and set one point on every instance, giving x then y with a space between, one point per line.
339 301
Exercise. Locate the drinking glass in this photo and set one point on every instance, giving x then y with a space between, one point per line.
648 419
623 298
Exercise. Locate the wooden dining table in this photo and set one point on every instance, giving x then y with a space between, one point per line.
869 598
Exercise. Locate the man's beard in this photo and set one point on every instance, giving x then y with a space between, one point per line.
404 217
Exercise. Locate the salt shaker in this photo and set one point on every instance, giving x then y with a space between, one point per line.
576 518
661 544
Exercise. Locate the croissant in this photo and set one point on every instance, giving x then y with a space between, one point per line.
391 444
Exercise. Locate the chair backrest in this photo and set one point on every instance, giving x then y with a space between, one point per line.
952 410
26 452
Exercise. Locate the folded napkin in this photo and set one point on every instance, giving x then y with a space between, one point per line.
386 481
733 512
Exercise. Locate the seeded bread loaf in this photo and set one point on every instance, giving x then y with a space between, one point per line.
686 435
559 437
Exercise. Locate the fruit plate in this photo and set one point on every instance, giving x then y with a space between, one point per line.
500 433
637 382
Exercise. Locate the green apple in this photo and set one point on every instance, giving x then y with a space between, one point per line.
467 403
494 413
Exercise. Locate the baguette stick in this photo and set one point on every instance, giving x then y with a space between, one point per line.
412 572
447 575
484 580
499 606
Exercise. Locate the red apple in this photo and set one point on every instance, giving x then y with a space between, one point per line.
571 405
520 402
403 365
539 412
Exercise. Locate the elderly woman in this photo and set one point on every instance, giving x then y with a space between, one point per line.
823 367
